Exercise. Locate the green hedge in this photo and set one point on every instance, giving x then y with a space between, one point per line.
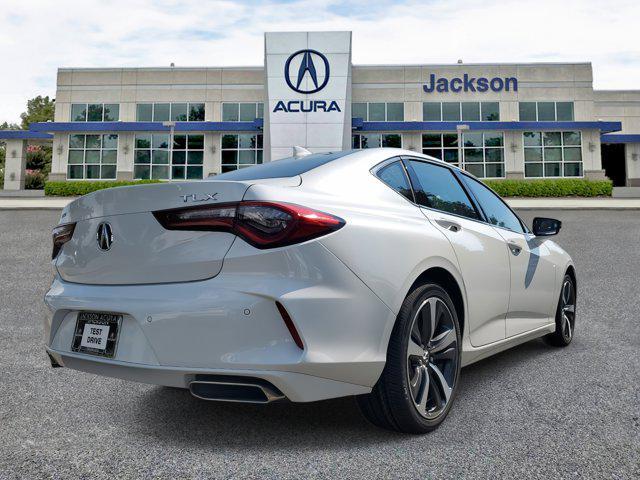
73 188
561 187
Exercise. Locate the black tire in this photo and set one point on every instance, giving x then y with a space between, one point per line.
393 403
565 315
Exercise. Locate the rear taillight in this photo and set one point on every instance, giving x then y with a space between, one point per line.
262 224
61 235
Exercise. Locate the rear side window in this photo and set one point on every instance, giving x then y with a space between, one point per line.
495 210
436 187
395 176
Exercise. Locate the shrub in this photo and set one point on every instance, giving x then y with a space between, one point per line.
560 187
34 180
73 188
39 158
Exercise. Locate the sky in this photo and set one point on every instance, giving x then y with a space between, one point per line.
39 36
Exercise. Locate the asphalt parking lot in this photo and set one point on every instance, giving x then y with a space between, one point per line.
533 411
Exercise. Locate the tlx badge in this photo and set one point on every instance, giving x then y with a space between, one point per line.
195 197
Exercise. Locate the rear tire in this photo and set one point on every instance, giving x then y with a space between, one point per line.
565 315
419 382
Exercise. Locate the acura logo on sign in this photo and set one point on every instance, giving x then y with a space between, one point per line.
104 236
313 65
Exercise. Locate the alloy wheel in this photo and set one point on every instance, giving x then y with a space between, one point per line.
432 357
567 310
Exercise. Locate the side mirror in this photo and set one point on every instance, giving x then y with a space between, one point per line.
545 227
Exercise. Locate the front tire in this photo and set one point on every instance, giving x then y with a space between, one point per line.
419 382
565 315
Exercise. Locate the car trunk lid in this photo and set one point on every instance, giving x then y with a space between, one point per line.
140 250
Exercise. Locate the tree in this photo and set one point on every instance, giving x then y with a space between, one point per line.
9 126
39 109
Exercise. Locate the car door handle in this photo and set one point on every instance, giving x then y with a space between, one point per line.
515 248
449 225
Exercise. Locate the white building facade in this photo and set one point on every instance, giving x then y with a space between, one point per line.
511 121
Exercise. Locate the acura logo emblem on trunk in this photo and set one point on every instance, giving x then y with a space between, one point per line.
104 236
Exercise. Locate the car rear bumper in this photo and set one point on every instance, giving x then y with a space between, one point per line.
297 387
230 325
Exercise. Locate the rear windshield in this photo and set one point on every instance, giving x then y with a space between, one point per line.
288 167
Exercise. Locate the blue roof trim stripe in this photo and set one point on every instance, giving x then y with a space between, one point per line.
621 138
605 127
24 135
254 126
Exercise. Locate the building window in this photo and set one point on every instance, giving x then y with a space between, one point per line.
460 111
95 112
546 111
552 154
154 159
482 152
443 146
376 140
92 157
165 112
187 156
240 151
378 112
242 112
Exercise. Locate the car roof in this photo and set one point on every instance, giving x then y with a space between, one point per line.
295 166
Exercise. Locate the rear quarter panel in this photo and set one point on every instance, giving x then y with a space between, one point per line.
386 241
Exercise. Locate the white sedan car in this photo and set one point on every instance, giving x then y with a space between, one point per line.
376 273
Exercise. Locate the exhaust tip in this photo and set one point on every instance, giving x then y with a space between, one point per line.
234 389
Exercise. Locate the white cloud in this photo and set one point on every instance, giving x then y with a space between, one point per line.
39 36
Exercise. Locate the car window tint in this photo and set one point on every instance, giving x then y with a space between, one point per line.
395 176
287 167
437 188
496 211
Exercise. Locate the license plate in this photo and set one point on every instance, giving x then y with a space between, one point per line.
96 333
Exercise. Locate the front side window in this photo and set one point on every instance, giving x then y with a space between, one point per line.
376 140
242 112
552 154
496 212
436 187
546 111
395 176
240 151
165 112
92 157
95 112
378 111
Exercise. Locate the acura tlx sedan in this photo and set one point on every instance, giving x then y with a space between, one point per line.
375 273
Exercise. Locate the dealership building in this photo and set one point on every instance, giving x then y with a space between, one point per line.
514 121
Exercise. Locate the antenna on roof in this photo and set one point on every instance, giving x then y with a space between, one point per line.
299 152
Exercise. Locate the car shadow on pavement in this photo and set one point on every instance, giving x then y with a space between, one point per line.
173 416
